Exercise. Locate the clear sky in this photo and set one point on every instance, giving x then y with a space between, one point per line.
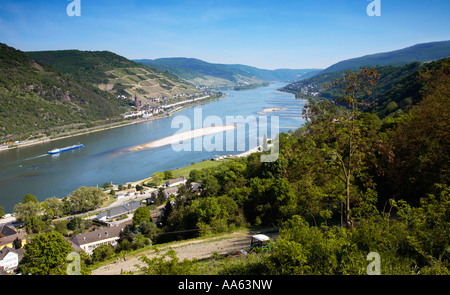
267 34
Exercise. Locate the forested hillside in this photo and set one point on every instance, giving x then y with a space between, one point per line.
114 73
346 184
36 97
397 90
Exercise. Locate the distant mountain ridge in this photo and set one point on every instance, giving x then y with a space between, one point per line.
417 53
199 72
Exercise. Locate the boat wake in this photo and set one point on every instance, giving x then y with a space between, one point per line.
36 157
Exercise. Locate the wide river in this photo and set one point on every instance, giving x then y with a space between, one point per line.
106 156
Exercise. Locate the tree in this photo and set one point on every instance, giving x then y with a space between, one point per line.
35 225
142 214
102 253
148 229
426 228
52 207
168 174
107 185
166 264
24 211
194 175
339 135
421 142
167 210
61 227
85 199
2 211
158 177
46 254
139 188
160 197
30 198
17 243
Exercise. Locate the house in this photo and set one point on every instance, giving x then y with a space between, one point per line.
8 235
170 191
120 196
126 208
174 182
105 236
196 187
9 259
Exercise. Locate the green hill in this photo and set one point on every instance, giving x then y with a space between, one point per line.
36 97
116 74
397 90
420 53
199 72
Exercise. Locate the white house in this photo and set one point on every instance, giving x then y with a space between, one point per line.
174 182
91 240
9 259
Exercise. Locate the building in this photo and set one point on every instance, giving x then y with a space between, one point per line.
174 182
9 259
105 236
8 235
170 191
126 208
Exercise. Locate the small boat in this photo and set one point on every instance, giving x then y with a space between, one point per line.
68 148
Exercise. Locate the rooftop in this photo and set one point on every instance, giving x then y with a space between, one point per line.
98 235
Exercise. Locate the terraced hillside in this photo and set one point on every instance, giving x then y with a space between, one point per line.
115 74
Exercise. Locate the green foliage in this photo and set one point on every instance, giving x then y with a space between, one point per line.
166 264
85 199
52 207
24 211
37 97
142 214
168 174
45 255
102 253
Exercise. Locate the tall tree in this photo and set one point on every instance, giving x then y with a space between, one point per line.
339 135
46 254
85 199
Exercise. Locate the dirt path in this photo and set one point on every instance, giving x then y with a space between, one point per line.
200 249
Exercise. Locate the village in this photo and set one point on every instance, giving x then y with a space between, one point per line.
163 104
108 221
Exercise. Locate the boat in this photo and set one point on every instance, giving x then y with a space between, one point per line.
68 148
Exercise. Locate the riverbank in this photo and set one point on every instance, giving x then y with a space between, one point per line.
184 136
124 123
206 163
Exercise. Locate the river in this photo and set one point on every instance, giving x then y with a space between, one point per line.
106 157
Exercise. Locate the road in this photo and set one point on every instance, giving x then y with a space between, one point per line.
198 248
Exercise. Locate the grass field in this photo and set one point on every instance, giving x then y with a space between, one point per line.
199 166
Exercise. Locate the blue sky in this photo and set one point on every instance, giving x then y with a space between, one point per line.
263 33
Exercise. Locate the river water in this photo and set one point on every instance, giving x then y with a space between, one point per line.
105 156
